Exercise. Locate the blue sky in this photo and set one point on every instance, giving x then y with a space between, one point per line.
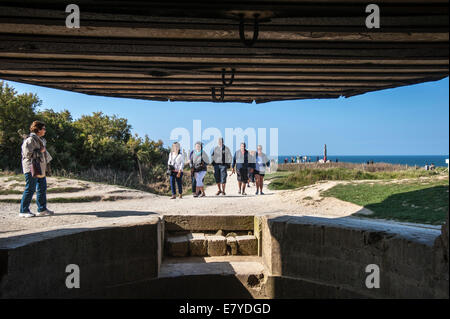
412 120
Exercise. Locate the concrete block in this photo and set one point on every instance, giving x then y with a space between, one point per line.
177 246
197 244
232 243
217 245
202 223
248 245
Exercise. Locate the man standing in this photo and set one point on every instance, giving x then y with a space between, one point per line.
221 160
241 166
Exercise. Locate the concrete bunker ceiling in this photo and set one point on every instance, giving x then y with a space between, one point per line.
231 51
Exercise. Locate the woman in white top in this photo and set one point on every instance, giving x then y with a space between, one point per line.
176 164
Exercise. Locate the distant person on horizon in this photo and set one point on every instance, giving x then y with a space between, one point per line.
261 162
432 166
221 160
35 159
427 167
285 161
199 163
241 167
337 160
176 164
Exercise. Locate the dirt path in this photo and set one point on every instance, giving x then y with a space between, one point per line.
306 201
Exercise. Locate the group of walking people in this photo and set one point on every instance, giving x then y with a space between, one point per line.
244 164
35 160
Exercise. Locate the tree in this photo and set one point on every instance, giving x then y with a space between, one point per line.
17 112
62 139
104 141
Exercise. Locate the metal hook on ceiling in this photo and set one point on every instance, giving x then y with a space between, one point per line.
225 83
222 94
249 43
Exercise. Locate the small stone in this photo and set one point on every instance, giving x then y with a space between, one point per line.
247 245
231 235
219 232
217 245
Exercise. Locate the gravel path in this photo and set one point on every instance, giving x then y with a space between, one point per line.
306 201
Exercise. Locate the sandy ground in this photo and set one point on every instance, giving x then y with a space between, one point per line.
306 201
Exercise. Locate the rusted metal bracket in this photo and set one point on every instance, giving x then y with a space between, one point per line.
249 43
222 94
225 83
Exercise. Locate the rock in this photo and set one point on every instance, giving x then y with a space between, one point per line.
219 232
177 246
232 243
197 244
231 235
217 245
247 245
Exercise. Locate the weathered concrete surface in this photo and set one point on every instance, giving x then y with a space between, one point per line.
224 277
197 244
332 255
232 243
217 245
107 253
247 245
196 223
302 257
177 246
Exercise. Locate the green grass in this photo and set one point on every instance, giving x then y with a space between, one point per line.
10 192
65 190
17 178
414 201
305 177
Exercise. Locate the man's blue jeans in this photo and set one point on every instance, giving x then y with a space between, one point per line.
34 184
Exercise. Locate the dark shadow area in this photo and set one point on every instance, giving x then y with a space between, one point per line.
182 287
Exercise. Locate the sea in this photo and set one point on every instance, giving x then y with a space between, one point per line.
410 160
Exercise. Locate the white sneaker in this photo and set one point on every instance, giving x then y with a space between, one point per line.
46 212
26 215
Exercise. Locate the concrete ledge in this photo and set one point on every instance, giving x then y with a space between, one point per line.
198 223
336 252
107 253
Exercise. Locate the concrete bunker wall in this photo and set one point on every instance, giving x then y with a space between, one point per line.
34 265
326 258
304 257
